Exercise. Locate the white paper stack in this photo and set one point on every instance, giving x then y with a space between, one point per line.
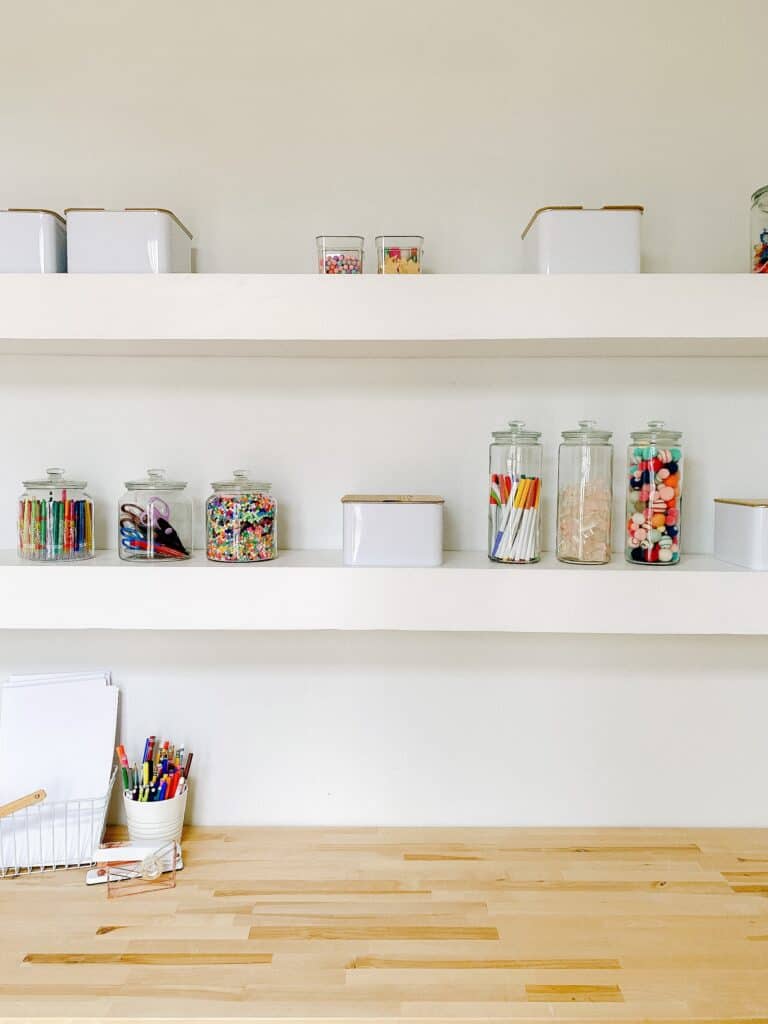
57 733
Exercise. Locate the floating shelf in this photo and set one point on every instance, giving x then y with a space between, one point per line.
425 316
312 590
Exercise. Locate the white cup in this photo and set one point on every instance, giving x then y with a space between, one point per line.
160 821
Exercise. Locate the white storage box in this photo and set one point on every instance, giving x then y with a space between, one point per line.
32 242
393 529
572 240
130 241
741 531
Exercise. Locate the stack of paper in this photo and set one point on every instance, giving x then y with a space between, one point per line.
57 733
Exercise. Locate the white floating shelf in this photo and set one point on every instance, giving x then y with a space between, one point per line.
313 590
429 315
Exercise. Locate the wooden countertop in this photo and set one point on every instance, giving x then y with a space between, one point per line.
405 924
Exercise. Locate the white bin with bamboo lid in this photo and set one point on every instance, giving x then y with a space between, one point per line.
393 529
130 241
578 240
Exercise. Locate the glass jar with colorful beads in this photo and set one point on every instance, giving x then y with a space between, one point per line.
241 521
759 221
654 491
339 254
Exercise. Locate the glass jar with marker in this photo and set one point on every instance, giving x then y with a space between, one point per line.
154 519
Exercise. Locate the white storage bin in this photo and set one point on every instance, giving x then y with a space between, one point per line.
393 529
572 240
741 531
132 241
32 242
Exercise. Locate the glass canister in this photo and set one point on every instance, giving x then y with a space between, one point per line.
154 519
759 231
399 254
55 519
514 524
340 254
584 495
654 490
241 521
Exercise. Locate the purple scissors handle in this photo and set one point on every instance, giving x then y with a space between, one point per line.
157 508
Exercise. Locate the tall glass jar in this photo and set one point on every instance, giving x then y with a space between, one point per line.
241 521
514 524
584 495
759 231
55 520
154 519
654 491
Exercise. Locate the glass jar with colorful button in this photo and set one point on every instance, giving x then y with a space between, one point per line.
584 495
241 521
514 523
654 490
399 254
55 521
154 519
759 231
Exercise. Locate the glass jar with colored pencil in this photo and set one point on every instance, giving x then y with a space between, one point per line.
514 521
55 520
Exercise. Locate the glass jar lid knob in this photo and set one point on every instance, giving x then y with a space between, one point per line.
55 473
156 474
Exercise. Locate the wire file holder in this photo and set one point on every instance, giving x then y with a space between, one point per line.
52 836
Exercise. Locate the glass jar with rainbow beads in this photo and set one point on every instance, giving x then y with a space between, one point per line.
514 522
241 521
654 490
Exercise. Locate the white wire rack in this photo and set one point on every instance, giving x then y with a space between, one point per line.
52 836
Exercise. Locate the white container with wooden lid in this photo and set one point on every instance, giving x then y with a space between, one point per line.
393 529
575 240
741 532
132 241
32 242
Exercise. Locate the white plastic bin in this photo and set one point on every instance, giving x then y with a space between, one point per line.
32 242
741 532
393 529
575 240
133 241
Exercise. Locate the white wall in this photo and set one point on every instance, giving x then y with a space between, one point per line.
264 124
425 728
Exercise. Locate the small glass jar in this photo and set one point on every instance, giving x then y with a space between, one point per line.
154 519
759 231
55 520
654 490
399 254
584 495
340 254
514 524
241 521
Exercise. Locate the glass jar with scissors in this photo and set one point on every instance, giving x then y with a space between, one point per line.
155 519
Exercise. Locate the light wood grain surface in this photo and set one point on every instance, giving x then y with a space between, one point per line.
405 924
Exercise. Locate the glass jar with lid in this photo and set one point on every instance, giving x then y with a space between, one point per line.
584 495
55 519
154 519
340 254
241 521
759 231
514 524
654 492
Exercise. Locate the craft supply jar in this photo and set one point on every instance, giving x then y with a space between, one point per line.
584 495
759 231
514 524
154 519
241 521
399 254
654 489
340 254
55 519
